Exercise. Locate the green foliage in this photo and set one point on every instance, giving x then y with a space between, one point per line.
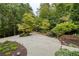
13 46
56 13
7 47
14 17
43 24
65 52
8 53
28 23
62 28
44 10
75 13
62 12
10 16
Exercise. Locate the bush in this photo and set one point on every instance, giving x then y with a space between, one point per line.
28 23
43 25
77 31
62 28
7 47
24 28
12 48
66 52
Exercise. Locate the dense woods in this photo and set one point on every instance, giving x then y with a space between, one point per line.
10 16
63 17
19 18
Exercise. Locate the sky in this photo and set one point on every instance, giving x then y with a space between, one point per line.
35 6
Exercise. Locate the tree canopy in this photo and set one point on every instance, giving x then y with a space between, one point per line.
19 18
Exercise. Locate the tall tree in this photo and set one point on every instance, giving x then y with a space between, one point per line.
44 10
10 16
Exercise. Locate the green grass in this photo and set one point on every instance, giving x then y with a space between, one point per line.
65 52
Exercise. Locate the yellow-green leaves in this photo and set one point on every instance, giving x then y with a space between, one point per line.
44 24
64 27
27 24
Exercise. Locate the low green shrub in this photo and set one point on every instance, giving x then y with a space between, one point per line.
8 53
7 47
66 52
77 31
62 28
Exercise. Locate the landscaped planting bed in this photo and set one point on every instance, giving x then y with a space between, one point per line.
11 48
66 52
70 40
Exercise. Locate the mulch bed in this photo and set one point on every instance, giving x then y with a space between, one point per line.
21 50
67 39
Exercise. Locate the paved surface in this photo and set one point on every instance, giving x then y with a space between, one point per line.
70 48
37 44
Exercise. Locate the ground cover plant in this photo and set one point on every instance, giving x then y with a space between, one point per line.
66 52
9 48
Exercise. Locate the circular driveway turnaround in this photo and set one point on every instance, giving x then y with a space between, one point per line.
37 44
